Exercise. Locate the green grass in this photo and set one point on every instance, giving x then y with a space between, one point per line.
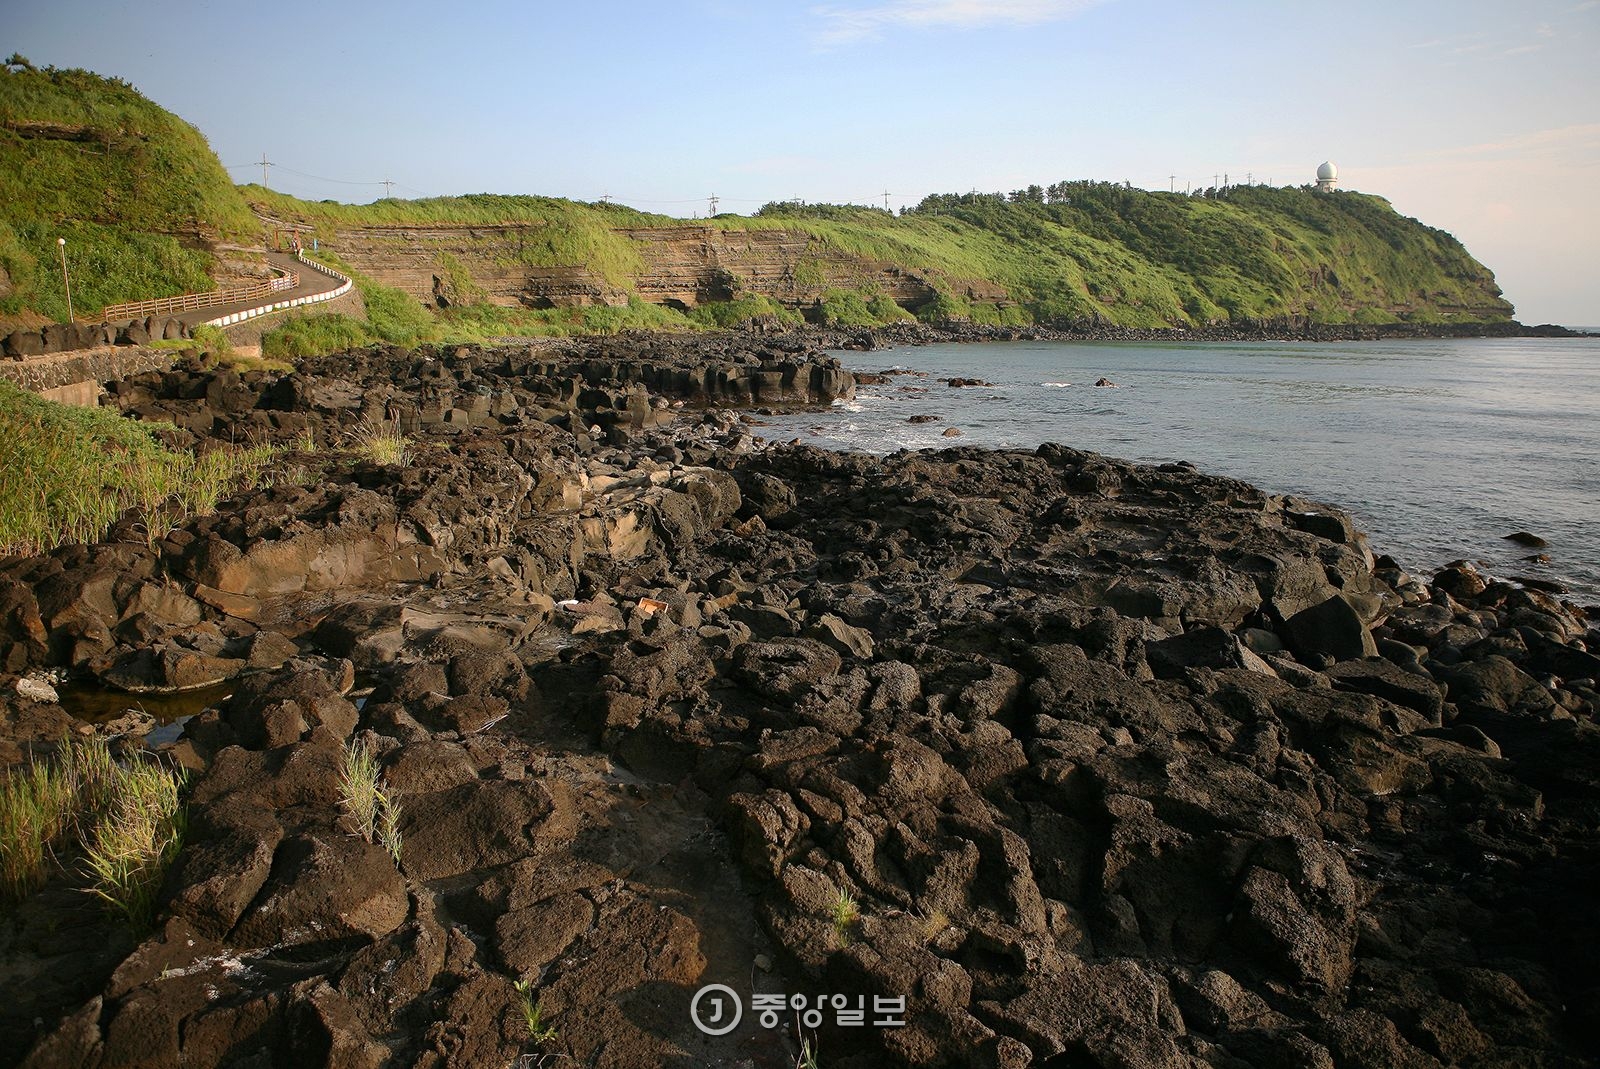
532 1010
133 189
212 340
67 474
846 915
136 838
726 315
315 334
381 443
373 808
128 820
37 804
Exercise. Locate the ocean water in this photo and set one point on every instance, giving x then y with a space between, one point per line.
1438 448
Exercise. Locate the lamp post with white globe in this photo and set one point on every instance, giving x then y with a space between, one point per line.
61 243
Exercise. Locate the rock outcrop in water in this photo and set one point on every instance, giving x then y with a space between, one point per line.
1092 763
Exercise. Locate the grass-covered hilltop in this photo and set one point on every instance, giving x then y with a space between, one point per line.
147 210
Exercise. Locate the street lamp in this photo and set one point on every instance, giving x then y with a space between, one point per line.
61 243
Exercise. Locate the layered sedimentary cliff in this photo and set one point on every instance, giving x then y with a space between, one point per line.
677 266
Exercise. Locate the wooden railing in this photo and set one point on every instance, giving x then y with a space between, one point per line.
188 302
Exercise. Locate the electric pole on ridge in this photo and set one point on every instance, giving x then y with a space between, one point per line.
265 163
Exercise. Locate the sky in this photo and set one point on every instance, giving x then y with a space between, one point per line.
1479 117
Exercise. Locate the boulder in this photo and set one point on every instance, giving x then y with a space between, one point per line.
1389 681
1202 647
1332 629
325 885
475 826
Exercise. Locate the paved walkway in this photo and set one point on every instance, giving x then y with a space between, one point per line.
311 282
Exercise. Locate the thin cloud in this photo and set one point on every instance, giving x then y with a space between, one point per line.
1571 144
844 25
1522 50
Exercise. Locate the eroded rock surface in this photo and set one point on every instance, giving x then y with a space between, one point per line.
1118 765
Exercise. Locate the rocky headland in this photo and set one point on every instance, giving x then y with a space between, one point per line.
1095 764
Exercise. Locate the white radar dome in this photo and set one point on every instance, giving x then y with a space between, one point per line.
1327 172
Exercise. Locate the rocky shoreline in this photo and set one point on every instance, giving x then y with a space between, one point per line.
859 339
1093 763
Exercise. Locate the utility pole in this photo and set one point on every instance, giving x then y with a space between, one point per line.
886 200
1249 178
713 202
387 188
605 198
264 165
61 243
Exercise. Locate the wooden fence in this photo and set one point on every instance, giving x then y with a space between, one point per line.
188 302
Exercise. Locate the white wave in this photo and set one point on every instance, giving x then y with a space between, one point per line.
1056 385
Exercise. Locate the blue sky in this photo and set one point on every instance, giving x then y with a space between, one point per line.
1481 118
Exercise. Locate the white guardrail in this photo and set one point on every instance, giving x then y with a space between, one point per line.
295 302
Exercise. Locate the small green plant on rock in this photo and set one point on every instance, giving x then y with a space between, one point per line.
374 809
539 1030
846 915
807 1058
382 443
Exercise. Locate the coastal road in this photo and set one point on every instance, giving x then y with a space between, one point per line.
311 282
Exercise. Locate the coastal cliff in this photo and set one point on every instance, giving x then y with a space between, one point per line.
1097 256
139 195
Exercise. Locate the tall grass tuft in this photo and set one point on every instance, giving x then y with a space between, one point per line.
532 1009
359 788
127 818
137 837
36 806
382 443
846 915
372 807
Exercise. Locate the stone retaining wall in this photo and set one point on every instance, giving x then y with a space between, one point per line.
75 378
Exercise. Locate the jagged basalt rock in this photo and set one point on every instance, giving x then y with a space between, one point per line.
1093 763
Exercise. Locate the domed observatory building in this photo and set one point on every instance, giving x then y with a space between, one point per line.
1327 178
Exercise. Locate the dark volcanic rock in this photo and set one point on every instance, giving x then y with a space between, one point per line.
1331 629
1093 763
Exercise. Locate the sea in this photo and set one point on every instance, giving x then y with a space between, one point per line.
1437 448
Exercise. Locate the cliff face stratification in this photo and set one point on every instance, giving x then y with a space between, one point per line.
136 191
1089 253
681 266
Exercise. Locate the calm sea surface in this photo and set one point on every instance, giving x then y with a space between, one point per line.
1438 448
